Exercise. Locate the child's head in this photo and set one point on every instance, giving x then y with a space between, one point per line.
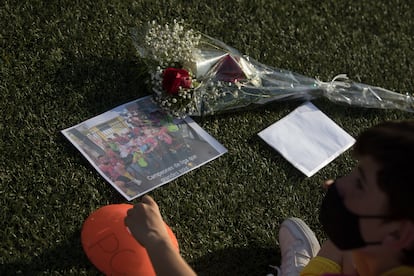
391 145
374 204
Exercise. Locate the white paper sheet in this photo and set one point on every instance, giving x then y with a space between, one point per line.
307 138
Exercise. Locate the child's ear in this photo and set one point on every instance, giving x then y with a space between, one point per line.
403 237
407 234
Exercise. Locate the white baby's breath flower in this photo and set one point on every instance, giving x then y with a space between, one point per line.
169 41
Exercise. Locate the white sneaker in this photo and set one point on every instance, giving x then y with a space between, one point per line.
298 244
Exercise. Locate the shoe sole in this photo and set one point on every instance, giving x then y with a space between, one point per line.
300 228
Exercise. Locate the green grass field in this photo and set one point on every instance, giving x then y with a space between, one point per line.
62 62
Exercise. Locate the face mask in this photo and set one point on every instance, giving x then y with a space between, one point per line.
340 224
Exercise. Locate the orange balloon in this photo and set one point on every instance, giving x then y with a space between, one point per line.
111 247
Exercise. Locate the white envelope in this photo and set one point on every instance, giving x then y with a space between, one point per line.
307 138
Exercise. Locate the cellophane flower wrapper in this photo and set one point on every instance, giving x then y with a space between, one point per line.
195 74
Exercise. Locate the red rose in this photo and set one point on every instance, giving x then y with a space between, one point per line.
173 79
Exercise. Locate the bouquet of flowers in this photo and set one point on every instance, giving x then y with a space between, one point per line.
195 74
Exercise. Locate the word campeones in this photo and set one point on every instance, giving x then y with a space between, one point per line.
171 168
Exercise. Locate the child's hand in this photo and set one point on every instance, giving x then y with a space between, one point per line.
145 223
147 226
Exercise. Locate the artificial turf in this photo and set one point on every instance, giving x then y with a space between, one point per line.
62 62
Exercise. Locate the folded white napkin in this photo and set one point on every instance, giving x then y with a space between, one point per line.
307 138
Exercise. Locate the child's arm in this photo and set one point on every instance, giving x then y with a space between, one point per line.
147 226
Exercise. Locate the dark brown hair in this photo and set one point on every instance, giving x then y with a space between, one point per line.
391 144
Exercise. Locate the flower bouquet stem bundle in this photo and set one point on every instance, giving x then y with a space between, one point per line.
194 74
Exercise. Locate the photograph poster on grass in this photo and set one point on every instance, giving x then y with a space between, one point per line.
137 147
